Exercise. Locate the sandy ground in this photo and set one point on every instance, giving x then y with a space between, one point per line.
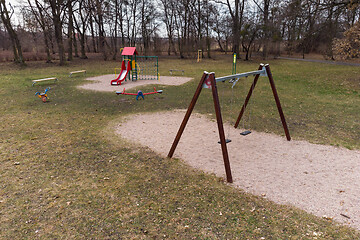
102 83
323 180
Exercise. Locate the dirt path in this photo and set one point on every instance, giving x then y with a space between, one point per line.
102 83
323 180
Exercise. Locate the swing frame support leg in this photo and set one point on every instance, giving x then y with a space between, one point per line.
277 100
247 98
276 97
221 128
187 116
211 77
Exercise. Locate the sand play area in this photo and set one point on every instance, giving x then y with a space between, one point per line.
323 180
102 83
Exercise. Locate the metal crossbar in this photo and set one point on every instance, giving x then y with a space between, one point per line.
261 72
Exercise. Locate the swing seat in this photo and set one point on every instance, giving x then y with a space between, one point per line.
244 133
226 141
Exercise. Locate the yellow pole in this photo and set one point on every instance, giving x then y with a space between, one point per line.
199 56
115 71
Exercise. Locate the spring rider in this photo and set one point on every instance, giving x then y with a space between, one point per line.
43 96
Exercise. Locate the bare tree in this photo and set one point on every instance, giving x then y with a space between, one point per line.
93 32
148 15
209 21
183 21
130 13
266 27
99 14
6 19
81 20
57 8
222 28
70 29
169 12
39 11
237 14
115 21
248 36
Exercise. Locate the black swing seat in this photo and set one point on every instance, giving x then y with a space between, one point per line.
226 141
244 133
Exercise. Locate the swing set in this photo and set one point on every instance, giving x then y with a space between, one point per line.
208 80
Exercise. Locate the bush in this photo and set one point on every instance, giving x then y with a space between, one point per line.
349 46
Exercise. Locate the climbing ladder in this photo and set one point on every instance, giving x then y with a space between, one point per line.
134 75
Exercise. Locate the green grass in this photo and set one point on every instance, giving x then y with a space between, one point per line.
65 175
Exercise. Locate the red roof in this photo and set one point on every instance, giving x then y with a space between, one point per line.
129 51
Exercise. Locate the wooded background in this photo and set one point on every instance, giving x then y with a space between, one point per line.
63 29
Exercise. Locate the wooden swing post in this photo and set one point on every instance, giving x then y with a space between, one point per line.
221 128
211 77
187 116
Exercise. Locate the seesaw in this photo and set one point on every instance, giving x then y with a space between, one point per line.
139 93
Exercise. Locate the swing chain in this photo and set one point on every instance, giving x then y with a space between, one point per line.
249 118
234 81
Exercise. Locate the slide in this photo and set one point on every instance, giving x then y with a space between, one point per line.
123 73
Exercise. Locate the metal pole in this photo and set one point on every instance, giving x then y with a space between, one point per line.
234 64
157 68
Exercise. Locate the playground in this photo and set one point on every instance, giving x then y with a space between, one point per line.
89 164
135 71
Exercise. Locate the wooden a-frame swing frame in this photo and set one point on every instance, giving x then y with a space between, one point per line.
210 81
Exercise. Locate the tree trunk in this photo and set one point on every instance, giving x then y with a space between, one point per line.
121 25
55 9
18 55
47 47
237 21
51 41
100 22
200 40
92 34
208 42
115 30
82 44
144 30
41 20
266 28
132 41
76 53
70 31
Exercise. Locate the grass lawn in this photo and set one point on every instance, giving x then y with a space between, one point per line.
65 175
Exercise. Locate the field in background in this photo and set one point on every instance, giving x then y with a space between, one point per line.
64 174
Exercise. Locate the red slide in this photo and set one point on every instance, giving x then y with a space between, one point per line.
123 73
